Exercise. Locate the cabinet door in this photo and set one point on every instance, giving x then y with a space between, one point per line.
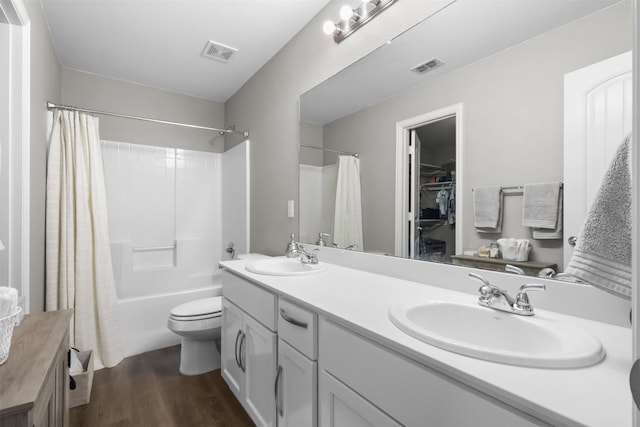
342 407
259 354
296 388
230 342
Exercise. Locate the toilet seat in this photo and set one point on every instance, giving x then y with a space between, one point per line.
201 309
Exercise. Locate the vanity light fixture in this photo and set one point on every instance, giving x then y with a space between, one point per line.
353 19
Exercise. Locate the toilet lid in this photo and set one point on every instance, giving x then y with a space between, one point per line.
198 307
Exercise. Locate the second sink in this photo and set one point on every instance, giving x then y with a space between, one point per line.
488 334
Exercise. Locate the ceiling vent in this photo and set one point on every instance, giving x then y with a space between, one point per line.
427 66
218 51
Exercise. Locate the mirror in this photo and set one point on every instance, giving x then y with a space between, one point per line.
503 68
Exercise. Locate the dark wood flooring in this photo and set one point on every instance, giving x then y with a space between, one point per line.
147 390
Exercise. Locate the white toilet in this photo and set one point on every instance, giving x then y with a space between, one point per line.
198 322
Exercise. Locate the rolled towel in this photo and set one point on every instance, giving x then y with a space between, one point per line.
541 203
602 256
487 205
8 301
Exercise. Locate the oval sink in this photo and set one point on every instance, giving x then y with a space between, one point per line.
282 266
489 334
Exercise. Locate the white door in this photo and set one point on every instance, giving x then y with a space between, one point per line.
230 341
414 194
235 198
296 388
259 354
597 117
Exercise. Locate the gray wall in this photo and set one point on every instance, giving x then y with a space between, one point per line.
106 94
311 135
513 124
45 86
267 106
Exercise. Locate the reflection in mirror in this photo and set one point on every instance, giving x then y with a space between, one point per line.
506 66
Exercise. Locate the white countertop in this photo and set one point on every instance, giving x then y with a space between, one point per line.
598 395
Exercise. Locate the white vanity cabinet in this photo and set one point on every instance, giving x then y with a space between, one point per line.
249 347
296 384
362 383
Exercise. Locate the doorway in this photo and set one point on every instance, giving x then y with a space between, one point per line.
428 177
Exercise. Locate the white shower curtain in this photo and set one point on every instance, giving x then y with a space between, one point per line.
347 226
79 273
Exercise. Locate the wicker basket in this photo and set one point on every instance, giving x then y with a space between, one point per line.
6 330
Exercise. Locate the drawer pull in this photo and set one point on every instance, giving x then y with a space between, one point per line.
293 321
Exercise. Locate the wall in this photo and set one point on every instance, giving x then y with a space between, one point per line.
267 106
106 94
45 86
523 123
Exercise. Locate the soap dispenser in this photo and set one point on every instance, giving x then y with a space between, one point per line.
292 248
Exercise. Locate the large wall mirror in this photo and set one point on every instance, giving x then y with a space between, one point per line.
489 109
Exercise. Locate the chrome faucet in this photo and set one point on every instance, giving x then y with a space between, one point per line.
305 257
499 299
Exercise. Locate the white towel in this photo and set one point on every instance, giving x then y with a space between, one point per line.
8 301
602 256
541 203
487 205
548 234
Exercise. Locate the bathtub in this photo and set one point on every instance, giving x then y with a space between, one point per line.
143 319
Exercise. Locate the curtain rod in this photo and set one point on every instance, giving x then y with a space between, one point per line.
52 106
329 149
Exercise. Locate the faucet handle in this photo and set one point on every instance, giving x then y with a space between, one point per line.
486 290
522 299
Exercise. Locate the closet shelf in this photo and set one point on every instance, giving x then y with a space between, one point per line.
433 186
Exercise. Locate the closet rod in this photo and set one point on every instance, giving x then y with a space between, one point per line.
52 106
346 153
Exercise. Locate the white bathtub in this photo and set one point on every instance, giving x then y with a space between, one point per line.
143 320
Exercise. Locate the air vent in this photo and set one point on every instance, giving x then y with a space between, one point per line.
218 51
427 66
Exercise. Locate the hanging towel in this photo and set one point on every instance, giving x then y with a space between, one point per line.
541 204
556 233
602 256
487 204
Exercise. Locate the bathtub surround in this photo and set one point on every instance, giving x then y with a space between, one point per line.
79 272
168 228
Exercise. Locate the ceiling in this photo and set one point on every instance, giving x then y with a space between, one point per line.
461 33
159 43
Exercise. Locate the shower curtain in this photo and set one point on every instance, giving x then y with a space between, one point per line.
79 273
347 226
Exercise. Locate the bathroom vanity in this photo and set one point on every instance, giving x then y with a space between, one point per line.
35 377
318 348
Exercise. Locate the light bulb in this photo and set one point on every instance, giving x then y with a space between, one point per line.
329 27
347 13
371 2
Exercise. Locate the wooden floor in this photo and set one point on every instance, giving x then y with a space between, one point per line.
147 390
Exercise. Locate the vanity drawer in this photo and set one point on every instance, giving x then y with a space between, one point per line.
259 303
298 327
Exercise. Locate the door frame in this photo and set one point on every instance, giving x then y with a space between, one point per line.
17 247
635 217
403 172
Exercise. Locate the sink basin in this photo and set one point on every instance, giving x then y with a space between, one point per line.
282 266
489 334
